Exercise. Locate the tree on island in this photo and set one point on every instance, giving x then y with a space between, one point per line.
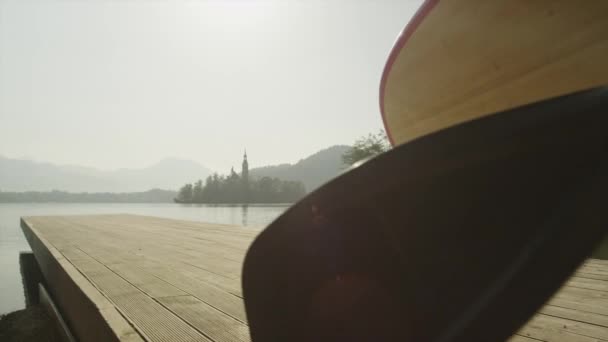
235 188
366 147
197 191
185 193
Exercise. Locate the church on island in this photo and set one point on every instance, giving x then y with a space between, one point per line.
240 189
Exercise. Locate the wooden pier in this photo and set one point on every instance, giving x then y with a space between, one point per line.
137 278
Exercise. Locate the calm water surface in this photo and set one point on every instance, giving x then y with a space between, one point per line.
12 240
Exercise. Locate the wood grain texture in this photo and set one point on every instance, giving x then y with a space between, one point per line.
88 313
157 279
467 59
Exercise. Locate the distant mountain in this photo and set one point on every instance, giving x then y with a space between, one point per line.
26 175
313 171
17 175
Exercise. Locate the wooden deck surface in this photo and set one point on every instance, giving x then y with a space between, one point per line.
134 278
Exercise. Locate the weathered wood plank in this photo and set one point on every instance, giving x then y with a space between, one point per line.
585 283
585 306
180 279
217 325
573 327
519 338
89 315
155 322
575 315
591 276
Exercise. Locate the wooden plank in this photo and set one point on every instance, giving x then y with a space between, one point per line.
211 259
113 255
591 276
89 315
154 321
575 315
146 282
217 325
214 296
519 338
586 283
595 269
582 305
583 294
574 327
540 330
603 263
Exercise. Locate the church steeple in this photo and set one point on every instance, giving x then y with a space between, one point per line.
245 179
245 169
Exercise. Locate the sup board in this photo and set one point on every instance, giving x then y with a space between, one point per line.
492 198
458 60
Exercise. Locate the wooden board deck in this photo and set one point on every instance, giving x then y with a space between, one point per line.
136 278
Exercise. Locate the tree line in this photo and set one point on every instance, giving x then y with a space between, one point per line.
150 196
234 189
366 147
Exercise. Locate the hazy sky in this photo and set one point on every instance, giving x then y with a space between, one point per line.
114 84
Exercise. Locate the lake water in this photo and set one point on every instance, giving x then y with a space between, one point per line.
12 240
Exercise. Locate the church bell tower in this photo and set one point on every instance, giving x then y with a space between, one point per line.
245 179
245 169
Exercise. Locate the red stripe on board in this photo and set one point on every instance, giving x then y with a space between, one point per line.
403 37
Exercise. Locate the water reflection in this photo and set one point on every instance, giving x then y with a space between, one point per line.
244 209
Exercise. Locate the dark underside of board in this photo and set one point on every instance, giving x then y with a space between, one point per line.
460 235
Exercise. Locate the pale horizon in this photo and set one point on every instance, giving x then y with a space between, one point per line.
113 85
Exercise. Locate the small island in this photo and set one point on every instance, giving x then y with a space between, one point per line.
235 188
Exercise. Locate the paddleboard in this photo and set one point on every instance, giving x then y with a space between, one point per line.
459 60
